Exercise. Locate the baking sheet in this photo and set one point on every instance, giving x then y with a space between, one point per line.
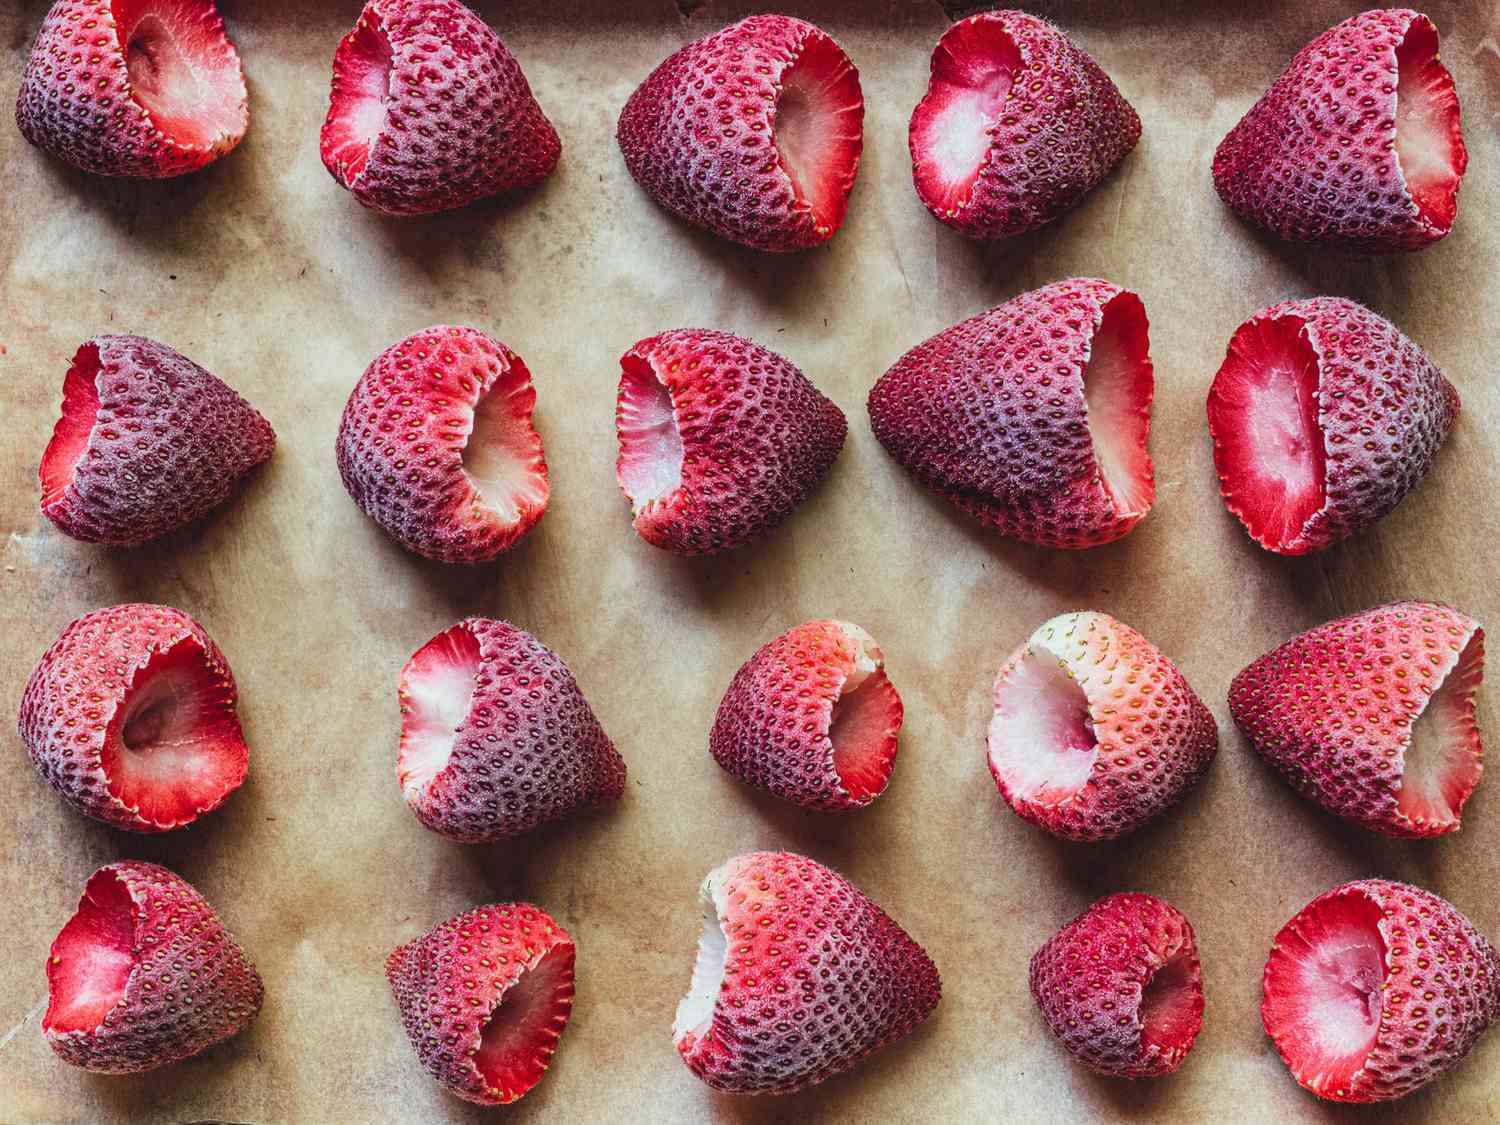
265 272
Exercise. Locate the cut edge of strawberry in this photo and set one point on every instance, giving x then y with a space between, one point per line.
518 1038
693 1024
817 129
1171 1005
1442 759
1429 136
864 719
75 425
363 66
1118 386
436 693
92 958
502 456
1042 742
650 461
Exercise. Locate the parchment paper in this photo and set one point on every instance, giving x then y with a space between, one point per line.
263 270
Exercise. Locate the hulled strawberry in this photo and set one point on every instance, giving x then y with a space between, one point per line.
485 997
437 445
720 439
1095 732
799 976
754 133
144 974
1372 715
1032 417
130 715
1017 125
1375 988
429 111
1358 144
147 442
1323 417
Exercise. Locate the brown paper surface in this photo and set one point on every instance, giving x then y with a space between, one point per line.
264 271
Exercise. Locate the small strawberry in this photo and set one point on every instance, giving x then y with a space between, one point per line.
130 715
720 439
1372 715
1016 127
1357 144
429 111
1375 988
754 133
147 443
437 445
485 997
1032 417
799 976
144 974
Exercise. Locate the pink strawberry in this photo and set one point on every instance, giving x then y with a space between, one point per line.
1357 144
720 439
130 715
1016 127
144 974
1121 988
485 997
429 111
147 443
1372 715
1323 416
754 133
1375 988
1032 417
437 446
799 976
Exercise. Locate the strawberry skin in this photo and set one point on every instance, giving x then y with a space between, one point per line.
812 718
144 974
147 442
799 976
429 111
1375 988
1357 145
720 439
1372 716
130 716
753 133
1032 417
485 997
1121 988
1016 127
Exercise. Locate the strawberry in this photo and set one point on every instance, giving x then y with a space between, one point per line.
1016 127
812 718
1031 417
753 133
1358 143
1095 732
429 111
1372 715
799 976
1375 988
484 998
130 715
437 446
144 974
496 738
147 443
1121 988
146 88
720 439
1323 416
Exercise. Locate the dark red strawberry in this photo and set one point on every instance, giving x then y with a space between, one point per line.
484 998
1017 126
147 88
1372 715
1323 416
720 439
130 715
437 446
799 976
1375 988
147 443
754 133
429 111
144 974
1032 417
1357 144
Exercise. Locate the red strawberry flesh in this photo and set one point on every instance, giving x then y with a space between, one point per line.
1045 746
357 105
70 437
437 688
650 462
182 70
817 127
91 958
1443 759
865 718
531 1013
1429 140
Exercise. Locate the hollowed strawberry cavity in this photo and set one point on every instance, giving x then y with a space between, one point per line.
70 437
1442 761
357 108
1042 742
1117 388
437 690
183 71
816 127
1171 1010
91 958
649 468
1429 140
502 454
864 721
695 1013
523 1028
